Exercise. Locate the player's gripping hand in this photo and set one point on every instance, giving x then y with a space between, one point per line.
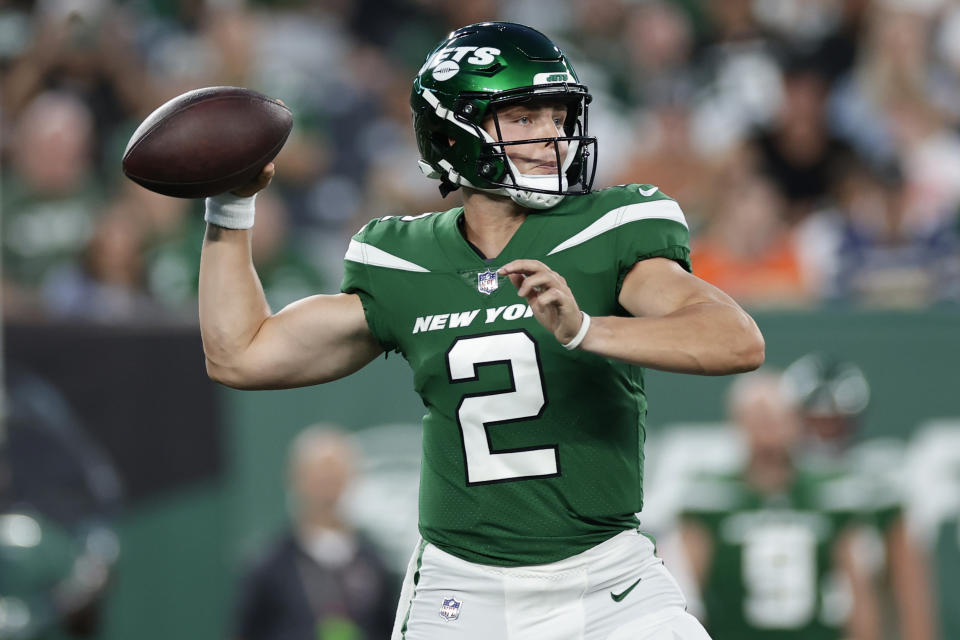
548 295
257 184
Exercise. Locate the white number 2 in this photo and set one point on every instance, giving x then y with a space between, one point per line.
479 411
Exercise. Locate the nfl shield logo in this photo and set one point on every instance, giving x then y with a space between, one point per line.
487 282
450 609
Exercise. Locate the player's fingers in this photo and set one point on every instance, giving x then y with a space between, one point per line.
550 297
266 174
539 282
516 279
258 183
526 267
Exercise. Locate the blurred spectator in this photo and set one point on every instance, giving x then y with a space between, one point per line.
86 49
50 197
929 154
107 285
892 62
747 250
659 47
865 251
833 395
741 79
321 580
797 151
772 543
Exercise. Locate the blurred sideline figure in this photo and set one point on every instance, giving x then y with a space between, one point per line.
320 580
934 500
832 395
771 544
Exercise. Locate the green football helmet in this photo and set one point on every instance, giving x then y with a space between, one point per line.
477 70
823 385
832 395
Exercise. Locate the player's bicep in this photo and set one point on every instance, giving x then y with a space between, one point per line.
314 340
659 286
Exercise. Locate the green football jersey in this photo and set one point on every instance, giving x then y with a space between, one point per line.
772 574
531 453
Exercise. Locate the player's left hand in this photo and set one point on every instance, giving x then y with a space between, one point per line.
548 295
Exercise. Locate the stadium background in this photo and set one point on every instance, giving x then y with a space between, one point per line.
813 145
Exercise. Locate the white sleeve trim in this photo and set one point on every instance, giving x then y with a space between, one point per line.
662 209
368 254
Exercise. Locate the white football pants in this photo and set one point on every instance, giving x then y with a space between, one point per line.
618 590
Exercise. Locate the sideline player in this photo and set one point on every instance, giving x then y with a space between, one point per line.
833 395
772 543
527 316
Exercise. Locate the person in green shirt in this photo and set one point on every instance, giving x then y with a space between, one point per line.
833 395
771 543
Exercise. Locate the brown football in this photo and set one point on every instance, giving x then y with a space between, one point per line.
206 141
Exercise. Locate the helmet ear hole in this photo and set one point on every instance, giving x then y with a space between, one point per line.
467 109
440 141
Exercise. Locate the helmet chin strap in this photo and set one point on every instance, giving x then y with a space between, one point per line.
535 199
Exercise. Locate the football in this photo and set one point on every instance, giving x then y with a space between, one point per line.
207 141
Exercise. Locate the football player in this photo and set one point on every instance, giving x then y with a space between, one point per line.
770 542
832 395
527 315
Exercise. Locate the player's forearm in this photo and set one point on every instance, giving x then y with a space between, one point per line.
232 304
863 622
707 338
911 584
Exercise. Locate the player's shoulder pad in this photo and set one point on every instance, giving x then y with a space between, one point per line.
632 202
626 208
390 228
622 194
397 242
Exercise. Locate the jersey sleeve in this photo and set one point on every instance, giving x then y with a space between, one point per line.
358 279
652 225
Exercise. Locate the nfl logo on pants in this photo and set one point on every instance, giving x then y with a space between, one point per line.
450 609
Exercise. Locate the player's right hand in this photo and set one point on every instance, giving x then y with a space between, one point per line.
548 295
258 183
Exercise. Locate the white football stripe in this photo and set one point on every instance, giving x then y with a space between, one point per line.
663 209
368 254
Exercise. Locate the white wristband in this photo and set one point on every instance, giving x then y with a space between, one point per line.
577 339
230 211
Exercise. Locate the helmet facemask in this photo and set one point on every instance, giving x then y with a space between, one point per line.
575 166
495 172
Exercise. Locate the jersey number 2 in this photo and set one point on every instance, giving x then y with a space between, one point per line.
477 412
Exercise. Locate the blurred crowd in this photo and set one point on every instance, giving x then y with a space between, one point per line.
813 144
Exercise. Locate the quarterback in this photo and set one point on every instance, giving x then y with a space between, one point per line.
527 315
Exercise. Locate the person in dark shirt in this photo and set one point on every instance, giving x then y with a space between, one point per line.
320 580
